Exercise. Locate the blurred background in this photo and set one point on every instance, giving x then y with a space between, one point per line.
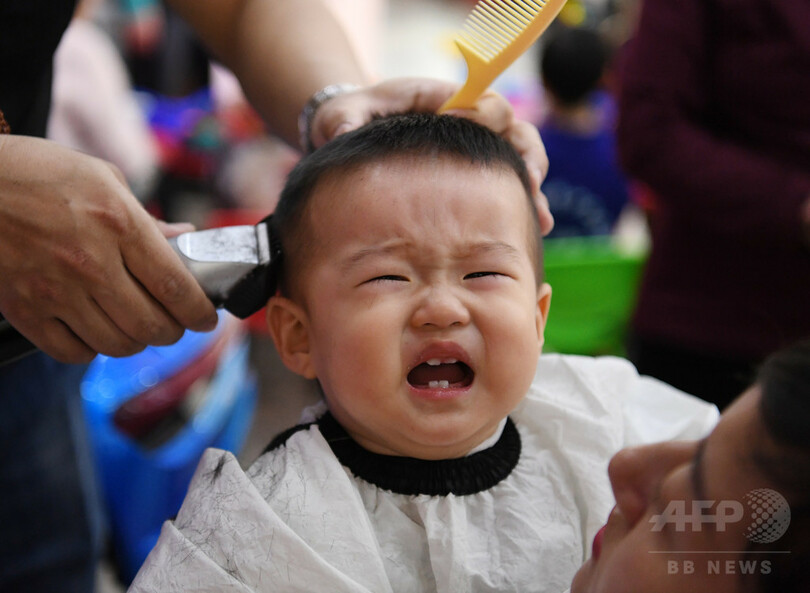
192 149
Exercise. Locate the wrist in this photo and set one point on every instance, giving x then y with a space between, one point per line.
307 115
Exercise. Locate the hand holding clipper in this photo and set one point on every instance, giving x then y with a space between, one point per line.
235 266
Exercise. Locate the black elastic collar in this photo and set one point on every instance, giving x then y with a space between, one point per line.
408 475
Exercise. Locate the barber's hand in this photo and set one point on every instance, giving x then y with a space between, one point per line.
351 110
84 268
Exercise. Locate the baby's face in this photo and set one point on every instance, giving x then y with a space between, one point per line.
421 306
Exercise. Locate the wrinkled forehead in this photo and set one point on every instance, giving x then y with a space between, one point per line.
444 187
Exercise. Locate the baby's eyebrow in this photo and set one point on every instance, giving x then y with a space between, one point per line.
366 252
465 251
484 247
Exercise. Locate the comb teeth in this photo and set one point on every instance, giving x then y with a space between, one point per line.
494 24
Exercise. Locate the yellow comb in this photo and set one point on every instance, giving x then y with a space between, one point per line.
494 35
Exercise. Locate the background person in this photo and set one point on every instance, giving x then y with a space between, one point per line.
586 189
713 118
108 123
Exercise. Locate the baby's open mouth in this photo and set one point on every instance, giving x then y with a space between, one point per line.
441 374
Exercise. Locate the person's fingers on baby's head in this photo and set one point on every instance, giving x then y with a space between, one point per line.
544 212
495 112
526 139
422 95
339 115
491 110
350 110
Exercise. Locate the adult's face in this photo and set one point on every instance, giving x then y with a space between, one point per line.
682 519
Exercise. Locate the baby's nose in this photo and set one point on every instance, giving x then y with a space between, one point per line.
441 308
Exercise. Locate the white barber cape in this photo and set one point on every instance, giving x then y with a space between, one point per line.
301 521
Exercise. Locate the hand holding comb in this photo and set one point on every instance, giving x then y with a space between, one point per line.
493 36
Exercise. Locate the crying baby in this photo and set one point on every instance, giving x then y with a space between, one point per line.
443 457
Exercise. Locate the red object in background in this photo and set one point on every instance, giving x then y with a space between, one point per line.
233 217
643 196
149 413
240 123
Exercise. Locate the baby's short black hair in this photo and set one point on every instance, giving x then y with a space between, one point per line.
408 135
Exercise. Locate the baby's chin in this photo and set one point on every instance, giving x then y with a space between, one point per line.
428 451
426 445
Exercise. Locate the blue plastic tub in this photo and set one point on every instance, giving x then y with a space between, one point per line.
152 415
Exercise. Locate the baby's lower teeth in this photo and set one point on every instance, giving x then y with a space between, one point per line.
439 384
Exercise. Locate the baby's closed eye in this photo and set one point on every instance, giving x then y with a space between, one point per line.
481 275
388 278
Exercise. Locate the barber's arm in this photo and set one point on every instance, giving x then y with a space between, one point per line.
282 52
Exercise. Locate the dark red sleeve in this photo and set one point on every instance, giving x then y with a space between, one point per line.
671 138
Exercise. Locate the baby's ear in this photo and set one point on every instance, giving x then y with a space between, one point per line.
289 329
543 304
